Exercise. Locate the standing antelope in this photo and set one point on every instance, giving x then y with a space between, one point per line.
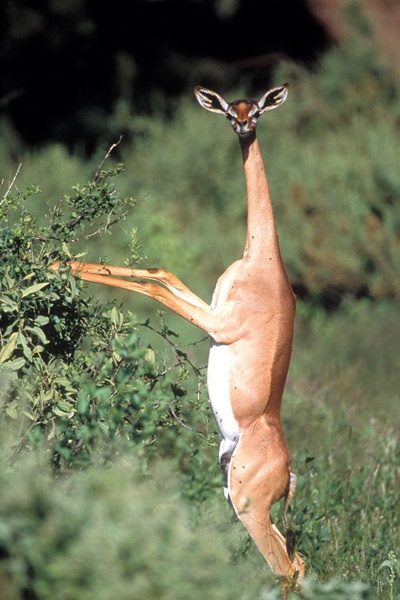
250 322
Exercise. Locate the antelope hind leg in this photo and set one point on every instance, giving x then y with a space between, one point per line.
259 476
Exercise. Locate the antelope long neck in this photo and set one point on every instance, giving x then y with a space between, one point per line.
262 240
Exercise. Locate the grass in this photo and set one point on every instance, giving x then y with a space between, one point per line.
341 414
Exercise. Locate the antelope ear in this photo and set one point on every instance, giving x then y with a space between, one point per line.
273 98
210 100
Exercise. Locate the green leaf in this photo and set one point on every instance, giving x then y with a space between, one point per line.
40 320
117 318
26 350
12 411
39 333
72 283
62 381
9 347
61 411
29 415
14 365
8 304
29 276
34 288
65 249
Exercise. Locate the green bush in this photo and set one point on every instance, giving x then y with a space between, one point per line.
109 533
74 369
114 532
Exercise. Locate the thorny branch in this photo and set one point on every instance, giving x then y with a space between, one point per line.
85 235
11 184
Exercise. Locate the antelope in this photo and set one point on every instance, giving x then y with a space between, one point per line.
250 324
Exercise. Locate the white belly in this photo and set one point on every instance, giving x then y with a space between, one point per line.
219 391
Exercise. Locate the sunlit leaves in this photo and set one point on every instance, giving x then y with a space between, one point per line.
73 369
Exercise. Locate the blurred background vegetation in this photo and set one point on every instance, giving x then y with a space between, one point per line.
107 440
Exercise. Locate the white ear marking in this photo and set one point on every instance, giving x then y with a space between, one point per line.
210 100
273 98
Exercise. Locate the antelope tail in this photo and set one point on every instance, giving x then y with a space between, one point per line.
290 536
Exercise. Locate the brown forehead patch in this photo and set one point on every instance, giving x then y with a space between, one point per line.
242 108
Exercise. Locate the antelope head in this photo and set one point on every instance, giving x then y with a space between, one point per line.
242 114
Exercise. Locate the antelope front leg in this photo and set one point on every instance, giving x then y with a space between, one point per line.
168 290
166 278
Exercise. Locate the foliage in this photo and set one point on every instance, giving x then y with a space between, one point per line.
74 369
116 533
344 185
103 534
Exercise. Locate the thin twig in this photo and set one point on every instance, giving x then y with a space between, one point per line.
86 236
182 423
11 184
111 148
179 353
